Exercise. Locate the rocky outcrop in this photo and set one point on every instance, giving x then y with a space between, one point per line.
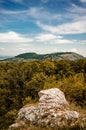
52 98
52 109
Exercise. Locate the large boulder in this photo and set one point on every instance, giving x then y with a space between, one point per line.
52 98
52 109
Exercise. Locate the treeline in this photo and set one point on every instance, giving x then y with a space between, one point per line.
21 82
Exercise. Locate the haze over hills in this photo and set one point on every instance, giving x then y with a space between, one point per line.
51 56
4 57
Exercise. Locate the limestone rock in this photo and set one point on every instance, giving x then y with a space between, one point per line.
50 110
27 114
52 98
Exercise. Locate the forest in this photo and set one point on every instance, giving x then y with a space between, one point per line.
20 83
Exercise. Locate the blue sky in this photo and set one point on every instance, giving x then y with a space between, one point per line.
42 26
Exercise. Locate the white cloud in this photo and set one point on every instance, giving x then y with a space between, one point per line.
2 48
13 37
17 1
43 14
73 50
45 37
83 0
42 43
77 15
73 13
49 38
44 1
63 41
11 12
77 9
66 28
38 13
51 29
52 39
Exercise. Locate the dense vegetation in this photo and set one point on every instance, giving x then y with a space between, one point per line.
21 82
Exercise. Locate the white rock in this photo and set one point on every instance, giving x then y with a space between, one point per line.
71 115
52 98
16 126
50 110
27 114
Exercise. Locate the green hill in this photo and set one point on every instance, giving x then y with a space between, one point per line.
52 56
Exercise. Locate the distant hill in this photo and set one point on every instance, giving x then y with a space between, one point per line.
52 56
4 57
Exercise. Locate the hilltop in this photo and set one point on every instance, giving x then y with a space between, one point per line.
52 56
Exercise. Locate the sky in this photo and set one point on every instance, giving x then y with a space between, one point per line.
42 26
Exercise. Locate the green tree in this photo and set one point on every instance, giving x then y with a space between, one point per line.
35 85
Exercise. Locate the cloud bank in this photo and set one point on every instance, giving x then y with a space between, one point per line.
13 37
